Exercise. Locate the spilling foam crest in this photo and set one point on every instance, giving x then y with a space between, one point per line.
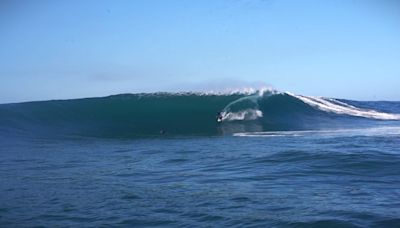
338 107
241 90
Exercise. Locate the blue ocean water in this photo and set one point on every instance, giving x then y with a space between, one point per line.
279 160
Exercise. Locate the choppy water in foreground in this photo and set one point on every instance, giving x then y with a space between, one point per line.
337 178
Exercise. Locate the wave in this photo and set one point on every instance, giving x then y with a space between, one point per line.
187 114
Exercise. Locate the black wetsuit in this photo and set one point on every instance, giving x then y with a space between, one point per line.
219 117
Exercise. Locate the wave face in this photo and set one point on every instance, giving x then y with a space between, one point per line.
189 114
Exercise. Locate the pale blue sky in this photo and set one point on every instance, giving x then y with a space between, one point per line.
69 49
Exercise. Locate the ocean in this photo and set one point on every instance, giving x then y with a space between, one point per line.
276 159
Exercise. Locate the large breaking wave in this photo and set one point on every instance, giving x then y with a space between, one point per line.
189 114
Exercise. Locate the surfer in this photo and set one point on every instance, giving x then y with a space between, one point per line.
219 117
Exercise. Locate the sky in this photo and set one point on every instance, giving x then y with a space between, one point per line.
72 49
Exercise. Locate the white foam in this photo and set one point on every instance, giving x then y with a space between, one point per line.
338 107
248 114
252 111
241 90
373 131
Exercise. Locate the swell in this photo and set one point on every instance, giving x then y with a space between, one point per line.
128 115
185 114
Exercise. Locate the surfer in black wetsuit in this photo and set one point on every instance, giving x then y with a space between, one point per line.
219 117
